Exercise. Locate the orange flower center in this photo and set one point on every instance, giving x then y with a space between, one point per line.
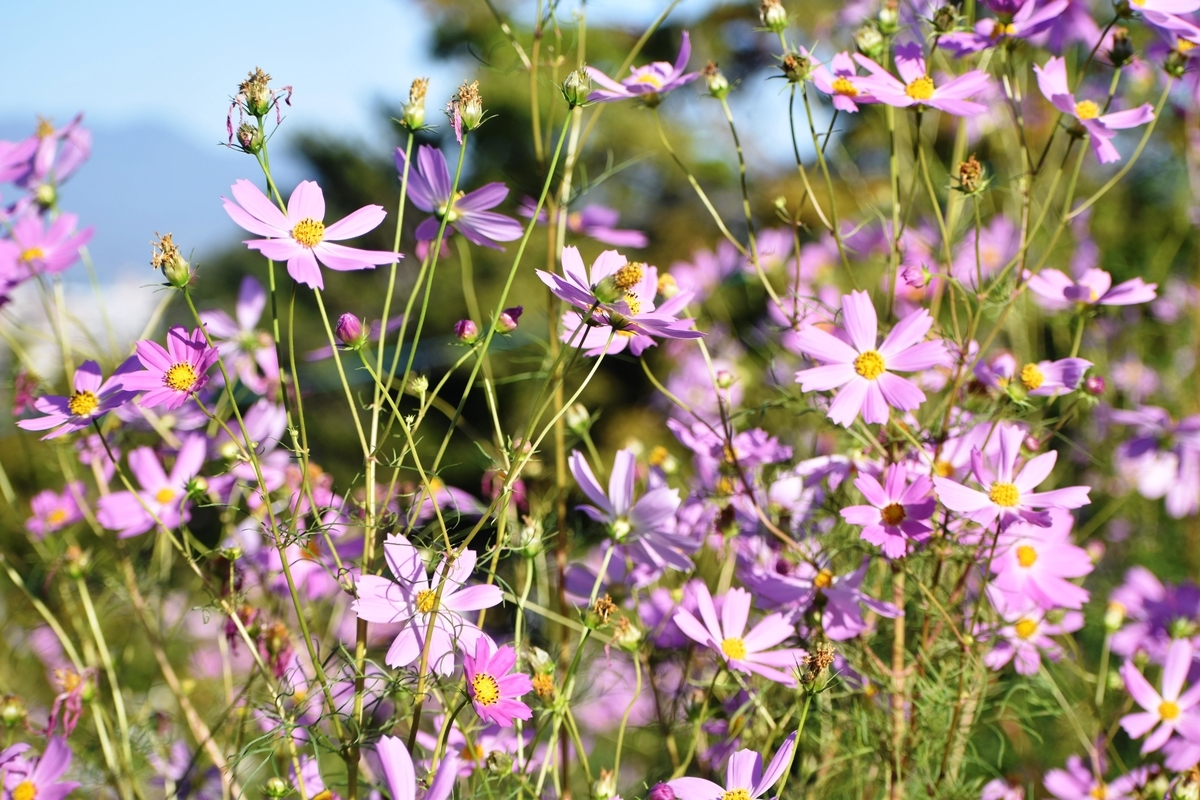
823 580
844 87
893 514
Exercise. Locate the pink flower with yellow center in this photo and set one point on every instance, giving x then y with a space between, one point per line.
36 248
917 88
1103 127
898 510
174 373
493 691
1166 711
161 498
93 398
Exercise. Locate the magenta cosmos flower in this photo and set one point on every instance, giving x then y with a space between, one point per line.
38 248
916 87
53 511
93 398
1172 709
650 82
1052 80
494 693
1006 493
864 372
26 780
401 778
175 373
160 496
411 600
1056 290
745 652
897 512
744 776
1028 20
300 237
429 188
841 81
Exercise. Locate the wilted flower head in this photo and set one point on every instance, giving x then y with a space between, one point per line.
414 109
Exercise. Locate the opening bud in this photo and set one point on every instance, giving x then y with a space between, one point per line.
1095 385
577 87
718 84
466 331
578 419
508 319
916 277
869 40
889 17
773 15
165 256
661 791
350 331
468 105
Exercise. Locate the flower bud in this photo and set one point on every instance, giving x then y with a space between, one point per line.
469 105
1122 48
667 287
277 787
249 138
795 67
1176 64
773 15
718 84
725 379
166 257
661 792
499 763
508 319
971 176
578 419
78 561
12 711
916 277
869 41
529 537
350 331
945 19
46 195
540 661
466 331
605 787
1186 786
577 87
1095 385
626 635
889 17
414 109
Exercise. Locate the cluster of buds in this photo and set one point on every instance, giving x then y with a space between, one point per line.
165 256
256 98
718 84
577 87
413 116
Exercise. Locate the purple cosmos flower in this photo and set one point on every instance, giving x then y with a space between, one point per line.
596 340
40 777
841 81
1038 563
1092 288
300 237
37 248
1172 709
493 692
429 189
1028 20
173 374
53 511
1006 493
411 600
1000 789
15 158
245 350
1052 80
1078 782
744 776
1043 379
1025 636
650 82
161 495
897 511
643 528
864 372
93 398
1163 457
745 652
57 154
401 779
918 88
595 222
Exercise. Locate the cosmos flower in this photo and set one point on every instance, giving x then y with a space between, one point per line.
748 652
38 778
897 511
595 222
1038 563
916 87
1056 290
401 779
595 339
1028 20
1040 379
744 776
864 373
57 154
1079 782
53 511
1167 711
1006 493
175 373
429 188
494 693
649 83
36 248
300 237
93 398
841 81
160 496
245 350
1052 80
1024 637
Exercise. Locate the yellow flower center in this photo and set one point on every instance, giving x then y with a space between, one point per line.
1025 628
893 514
82 404
843 86
1026 556
68 679
25 791
1032 377
658 456
736 794
944 469
1184 45
1099 791
1086 109
635 305
32 254
629 275
1004 494
920 89
734 649
486 690
181 377
1168 710
164 495
650 78
56 517
1000 29
309 232
425 600
667 285
869 365
44 128
823 580
325 795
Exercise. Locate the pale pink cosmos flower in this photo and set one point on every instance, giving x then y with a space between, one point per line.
897 510
93 398
916 87
162 497
1056 290
494 693
1025 635
744 776
401 779
300 237
1052 80
841 81
649 83
53 511
745 652
1172 709
864 369
1039 563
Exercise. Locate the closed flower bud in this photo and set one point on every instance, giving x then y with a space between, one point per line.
795 67
1122 48
889 17
499 763
414 109
945 19
466 331
277 787
606 786
773 15
667 287
249 138
350 331
12 711
578 419
661 791
529 537
718 84
1095 385
46 195
1176 64
916 277
1187 786
508 319
869 40
540 661
577 87
166 257
725 379
78 561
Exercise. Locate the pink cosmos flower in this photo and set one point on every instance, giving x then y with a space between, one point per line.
865 373
25 778
165 496
1079 782
37 248
93 398
918 87
897 511
57 154
493 692
1006 493
649 82
401 779
1025 635
1168 711
175 373
595 222
1052 80
53 511
841 81
1041 379
745 652
300 237
1028 20
248 352
429 188
1038 563
1056 290
411 600
744 776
